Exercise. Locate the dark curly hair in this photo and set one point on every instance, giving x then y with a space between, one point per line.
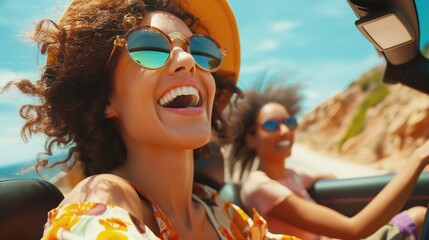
244 118
74 86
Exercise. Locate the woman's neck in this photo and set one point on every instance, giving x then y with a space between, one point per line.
166 176
274 168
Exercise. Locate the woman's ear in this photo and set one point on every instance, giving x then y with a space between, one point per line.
109 111
251 140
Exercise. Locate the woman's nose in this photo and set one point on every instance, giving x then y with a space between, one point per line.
181 61
284 129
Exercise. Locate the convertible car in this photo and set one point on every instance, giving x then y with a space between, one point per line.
399 32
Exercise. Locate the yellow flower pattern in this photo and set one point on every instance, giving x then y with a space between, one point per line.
87 220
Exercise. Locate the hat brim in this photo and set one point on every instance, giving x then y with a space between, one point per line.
218 20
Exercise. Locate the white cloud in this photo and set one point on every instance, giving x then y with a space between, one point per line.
262 65
312 94
330 8
273 42
12 97
283 26
12 147
267 45
7 75
25 11
331 12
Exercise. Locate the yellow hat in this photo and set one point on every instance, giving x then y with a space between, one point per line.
217 18
218 21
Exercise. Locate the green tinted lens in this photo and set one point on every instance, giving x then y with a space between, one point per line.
205 52
148 48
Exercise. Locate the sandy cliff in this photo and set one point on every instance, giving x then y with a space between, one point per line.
391 120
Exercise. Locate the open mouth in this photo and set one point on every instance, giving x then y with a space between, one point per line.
284 144
181 97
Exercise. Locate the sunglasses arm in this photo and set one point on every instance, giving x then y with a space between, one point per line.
120 41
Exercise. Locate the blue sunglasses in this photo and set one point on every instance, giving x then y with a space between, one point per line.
274 125
151 48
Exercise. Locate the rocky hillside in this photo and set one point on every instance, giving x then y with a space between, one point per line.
369 123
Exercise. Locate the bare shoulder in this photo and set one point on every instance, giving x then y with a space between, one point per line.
107 189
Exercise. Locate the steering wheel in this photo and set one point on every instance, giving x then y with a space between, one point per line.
425 229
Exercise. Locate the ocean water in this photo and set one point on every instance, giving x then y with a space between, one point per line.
19 171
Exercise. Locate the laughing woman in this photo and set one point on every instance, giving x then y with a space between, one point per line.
134 89
280 194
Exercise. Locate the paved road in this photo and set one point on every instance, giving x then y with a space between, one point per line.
304 158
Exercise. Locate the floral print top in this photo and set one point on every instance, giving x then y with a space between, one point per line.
88 220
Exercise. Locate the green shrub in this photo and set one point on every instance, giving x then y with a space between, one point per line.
377 92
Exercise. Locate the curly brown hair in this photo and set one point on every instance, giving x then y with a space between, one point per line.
244 119
74 86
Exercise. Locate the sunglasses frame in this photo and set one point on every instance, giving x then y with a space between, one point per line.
121 41
279 122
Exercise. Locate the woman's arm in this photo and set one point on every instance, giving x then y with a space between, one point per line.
325 221
309 178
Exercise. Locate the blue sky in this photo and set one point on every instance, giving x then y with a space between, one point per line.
314 42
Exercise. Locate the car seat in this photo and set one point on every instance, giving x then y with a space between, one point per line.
230 191
209 170
24 205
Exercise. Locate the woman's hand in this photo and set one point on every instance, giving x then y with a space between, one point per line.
421 153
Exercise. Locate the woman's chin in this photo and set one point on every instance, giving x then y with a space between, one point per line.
195 143
189 140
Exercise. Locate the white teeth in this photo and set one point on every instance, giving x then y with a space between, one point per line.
286 143
184 90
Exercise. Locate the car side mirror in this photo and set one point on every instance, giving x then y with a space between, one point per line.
395 28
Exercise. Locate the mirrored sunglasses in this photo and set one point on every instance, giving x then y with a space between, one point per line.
274 125
151 48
